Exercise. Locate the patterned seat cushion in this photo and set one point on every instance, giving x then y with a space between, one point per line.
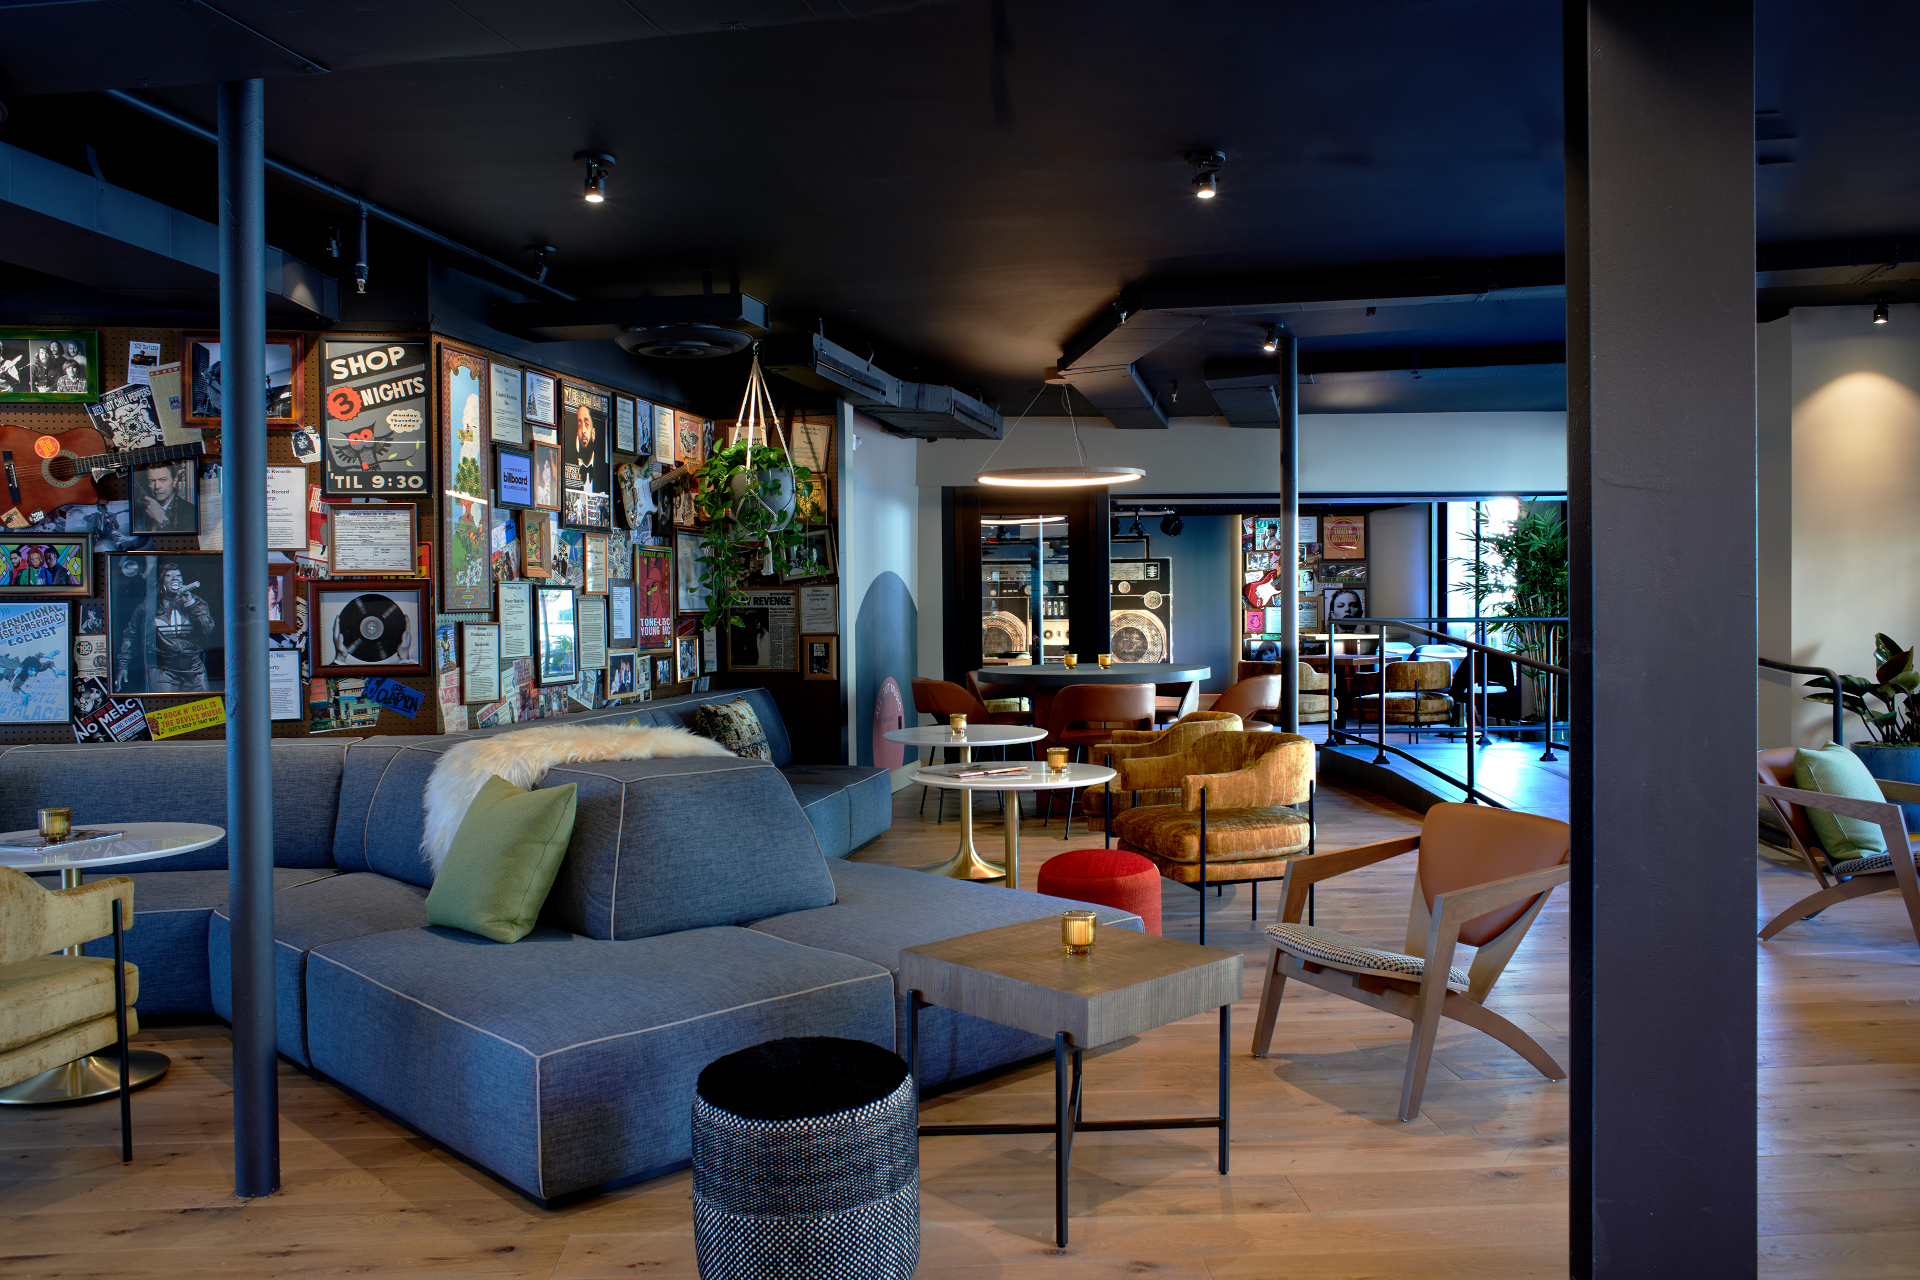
1338 951
1172 833
1863 866
735 726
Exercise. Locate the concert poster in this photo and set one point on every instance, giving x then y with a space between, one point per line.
374 397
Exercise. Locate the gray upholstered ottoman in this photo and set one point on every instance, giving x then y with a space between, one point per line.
806 1163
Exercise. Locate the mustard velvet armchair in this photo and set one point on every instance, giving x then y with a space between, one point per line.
1484 876
1317 703
1234 821
1137 744
55 1008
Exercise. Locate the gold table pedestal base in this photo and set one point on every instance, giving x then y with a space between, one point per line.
967 864
87 1079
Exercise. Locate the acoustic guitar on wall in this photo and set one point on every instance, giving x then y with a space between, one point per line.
45 472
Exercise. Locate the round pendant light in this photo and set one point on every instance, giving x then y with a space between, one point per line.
1078 477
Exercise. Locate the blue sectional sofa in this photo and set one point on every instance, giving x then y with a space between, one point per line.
704 905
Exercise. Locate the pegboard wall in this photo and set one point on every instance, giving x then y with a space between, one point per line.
808 698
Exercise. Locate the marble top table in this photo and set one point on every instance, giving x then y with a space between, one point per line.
968 864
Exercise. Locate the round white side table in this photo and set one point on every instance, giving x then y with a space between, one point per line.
967 864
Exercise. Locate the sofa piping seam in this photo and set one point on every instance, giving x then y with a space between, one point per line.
699 1017
367 822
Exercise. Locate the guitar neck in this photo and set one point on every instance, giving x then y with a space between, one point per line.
141 457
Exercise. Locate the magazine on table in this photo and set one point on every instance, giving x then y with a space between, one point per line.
33 842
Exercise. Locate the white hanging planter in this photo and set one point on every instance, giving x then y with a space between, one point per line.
771 490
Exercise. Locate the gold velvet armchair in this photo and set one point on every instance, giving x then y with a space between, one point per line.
55 1008
1137 744
1234 821
1484 876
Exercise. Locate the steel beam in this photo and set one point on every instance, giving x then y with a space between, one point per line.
243 437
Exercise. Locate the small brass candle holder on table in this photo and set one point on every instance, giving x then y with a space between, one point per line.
1076 931
56 824
1056 759
958 723
1069 660
1106 660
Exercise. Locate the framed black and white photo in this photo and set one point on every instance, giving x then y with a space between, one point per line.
204 401
371 627
556 620
49 366
507 402
373 540
813 558
36 661
686 652
540 407
624 439
662 671
479 662
516 620
689 596
546 477
622 675
46 564
1342 603
166 622
512 476
593 632
620 629
820 657
162 498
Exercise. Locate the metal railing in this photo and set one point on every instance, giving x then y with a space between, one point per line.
1475 688
1833 682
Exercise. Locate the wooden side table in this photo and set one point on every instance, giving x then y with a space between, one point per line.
1020 976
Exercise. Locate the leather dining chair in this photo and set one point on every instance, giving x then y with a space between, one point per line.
1252 695
1084 715
943 698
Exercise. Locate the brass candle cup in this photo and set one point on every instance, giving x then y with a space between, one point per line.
1106 660
1070 660
1076 931
56 824
1057 759
958 723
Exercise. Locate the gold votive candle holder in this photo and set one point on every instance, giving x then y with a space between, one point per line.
957 722
1069 660
1106 660
1076 931
56 824
1057 759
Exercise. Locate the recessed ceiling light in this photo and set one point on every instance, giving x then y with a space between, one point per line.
597 162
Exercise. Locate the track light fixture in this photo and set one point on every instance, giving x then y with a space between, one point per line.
1272 344
541 252
1171 524
1879 313
1206 165
597 162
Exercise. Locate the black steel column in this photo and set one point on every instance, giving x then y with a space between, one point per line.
1288 361
1661 463
243 447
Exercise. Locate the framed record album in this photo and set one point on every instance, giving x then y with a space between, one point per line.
369 627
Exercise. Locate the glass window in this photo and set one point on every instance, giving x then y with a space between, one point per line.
1023 588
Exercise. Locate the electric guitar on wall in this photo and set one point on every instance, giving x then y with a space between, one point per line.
43 472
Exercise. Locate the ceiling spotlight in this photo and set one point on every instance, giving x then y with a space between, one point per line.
1171 524
1879 313
541 252
1272 344
597 162
1206 164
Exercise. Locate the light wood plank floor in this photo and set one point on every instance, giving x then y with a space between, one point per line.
1326 1183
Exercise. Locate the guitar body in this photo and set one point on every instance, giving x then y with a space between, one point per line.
40 473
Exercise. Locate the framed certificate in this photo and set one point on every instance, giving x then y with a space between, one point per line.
620 613
539 410
596 565
593 633
480 662
508 402
516 620
625 437
375 540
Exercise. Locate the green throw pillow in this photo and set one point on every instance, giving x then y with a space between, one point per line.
502 862
1835 771
734 726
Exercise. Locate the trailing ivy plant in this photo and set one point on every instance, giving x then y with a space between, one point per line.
741 532
1528 566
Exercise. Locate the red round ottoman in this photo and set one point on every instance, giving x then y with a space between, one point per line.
1109 877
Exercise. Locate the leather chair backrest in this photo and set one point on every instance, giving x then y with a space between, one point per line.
1404 677
1255 693
1462 845
1776 770
1131 704
943 698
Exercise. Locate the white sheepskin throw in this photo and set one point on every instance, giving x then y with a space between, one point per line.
523 758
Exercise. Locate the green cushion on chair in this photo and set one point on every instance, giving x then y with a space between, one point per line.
1835 771
502 861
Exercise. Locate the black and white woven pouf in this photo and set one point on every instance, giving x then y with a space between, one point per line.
806 1163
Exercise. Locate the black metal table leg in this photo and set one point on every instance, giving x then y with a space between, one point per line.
1062 1137
1226 1034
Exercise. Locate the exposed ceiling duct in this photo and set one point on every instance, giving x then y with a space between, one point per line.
688 326
929 412
809 359
1247 391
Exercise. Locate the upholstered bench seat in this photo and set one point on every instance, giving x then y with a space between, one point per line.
878 911
563 1063
304 917
1338 951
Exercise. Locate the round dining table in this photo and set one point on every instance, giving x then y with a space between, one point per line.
1043 682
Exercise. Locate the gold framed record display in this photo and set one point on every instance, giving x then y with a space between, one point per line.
373 396
369 626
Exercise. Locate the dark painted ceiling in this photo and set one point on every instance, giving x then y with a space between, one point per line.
963 187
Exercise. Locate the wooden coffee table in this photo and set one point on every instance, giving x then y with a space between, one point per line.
1020 976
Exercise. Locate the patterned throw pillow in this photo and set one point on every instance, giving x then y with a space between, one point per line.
734 726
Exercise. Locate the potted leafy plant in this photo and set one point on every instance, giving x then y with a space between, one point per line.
1895 726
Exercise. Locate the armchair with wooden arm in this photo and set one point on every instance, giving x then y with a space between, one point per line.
1234 821
61 1007
1484 877
1842 879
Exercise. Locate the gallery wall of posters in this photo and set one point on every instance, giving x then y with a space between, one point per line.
374 400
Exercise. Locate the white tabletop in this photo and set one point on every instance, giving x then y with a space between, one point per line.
976 735
1036 777
143 840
